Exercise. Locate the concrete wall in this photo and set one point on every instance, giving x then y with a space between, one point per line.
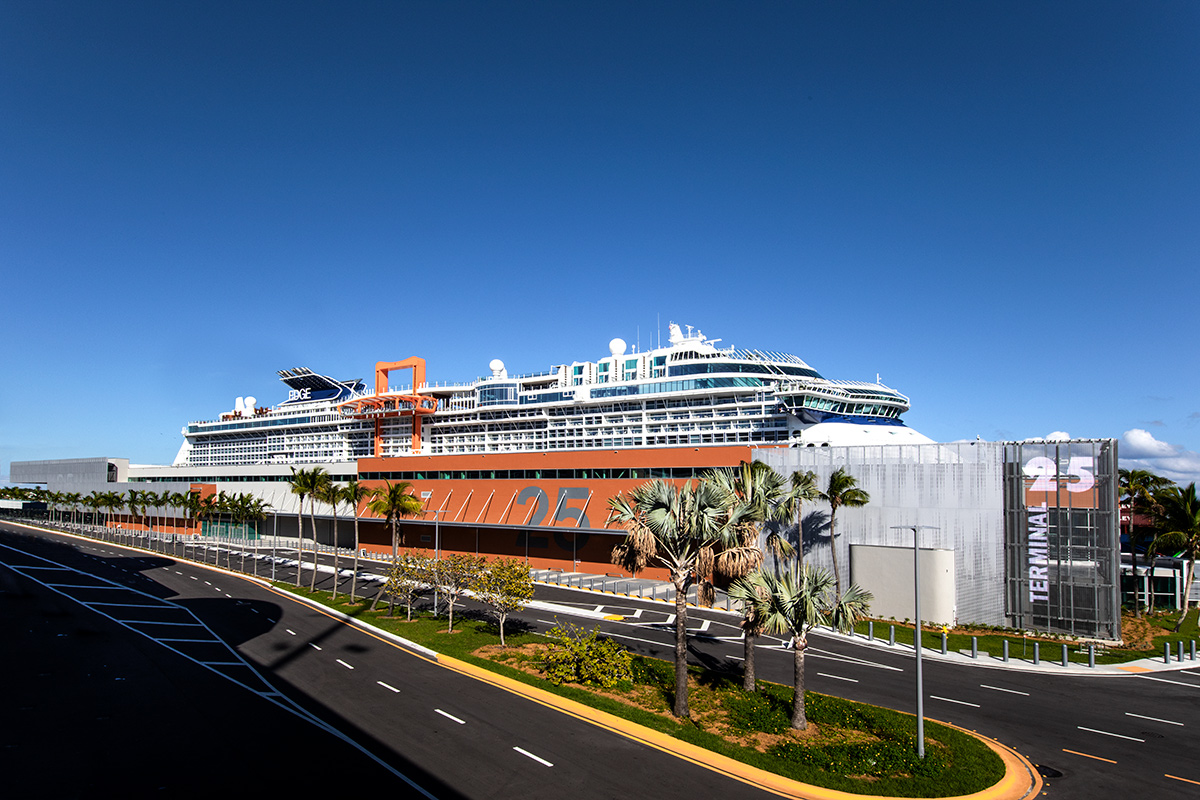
887 573
957 489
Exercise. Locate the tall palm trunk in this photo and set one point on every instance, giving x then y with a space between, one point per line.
748 674
336 574
312 518
354 577
837 575
799 717
681 687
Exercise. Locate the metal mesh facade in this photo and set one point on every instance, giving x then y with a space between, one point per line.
1063 548
956 488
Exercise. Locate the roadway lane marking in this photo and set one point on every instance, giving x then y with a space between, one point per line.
999 689
531 755
1153 719
1177 778
344 664
314 646
948 700
389 688
193 577
289 630
1106 733
451 716
1165 680
83 586
838 677
207 583
1085 755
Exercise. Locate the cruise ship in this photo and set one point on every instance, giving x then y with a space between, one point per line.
689 394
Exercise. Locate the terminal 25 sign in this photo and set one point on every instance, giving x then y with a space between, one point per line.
1061 536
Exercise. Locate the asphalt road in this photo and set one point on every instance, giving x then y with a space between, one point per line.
1093 737
142 684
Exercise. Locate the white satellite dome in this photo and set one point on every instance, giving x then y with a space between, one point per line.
617 347
497 368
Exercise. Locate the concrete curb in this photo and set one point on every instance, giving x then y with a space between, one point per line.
1021 778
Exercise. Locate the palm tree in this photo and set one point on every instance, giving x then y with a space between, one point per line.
303 484
321 480
331 494
795 603
804 490
678 528
842 491
758 493
353 494
1180 523
1140 488
392 501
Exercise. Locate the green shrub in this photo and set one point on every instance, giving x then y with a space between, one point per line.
578 657
758 711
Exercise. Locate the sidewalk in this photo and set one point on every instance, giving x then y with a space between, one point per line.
1050 653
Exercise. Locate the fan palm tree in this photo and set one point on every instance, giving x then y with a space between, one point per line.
677 527
804 490
321 480
842 491
1179 520
758 494
331 495
304 483
353 494
795 603
392 501
1140 488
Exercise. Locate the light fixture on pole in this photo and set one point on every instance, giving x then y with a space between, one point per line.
917 630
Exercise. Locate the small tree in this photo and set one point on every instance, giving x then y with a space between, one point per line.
505 585
407 579
455 575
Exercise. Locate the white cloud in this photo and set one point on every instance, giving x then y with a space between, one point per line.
1057 436
1140 450
1142 444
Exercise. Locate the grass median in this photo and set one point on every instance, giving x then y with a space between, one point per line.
848 746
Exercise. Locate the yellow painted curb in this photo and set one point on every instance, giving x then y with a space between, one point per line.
1020 779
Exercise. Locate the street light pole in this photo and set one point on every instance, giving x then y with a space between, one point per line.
917 632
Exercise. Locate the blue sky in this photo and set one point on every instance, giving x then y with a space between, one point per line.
996 207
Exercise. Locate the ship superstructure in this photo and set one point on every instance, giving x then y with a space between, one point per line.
689 393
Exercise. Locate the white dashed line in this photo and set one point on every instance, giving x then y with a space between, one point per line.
531 755
389 688
999 689
314 646
948 700
289 630
1106 733
344 664
1154 719
450 716
838 677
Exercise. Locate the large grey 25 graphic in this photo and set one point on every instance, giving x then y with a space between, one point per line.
562 512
